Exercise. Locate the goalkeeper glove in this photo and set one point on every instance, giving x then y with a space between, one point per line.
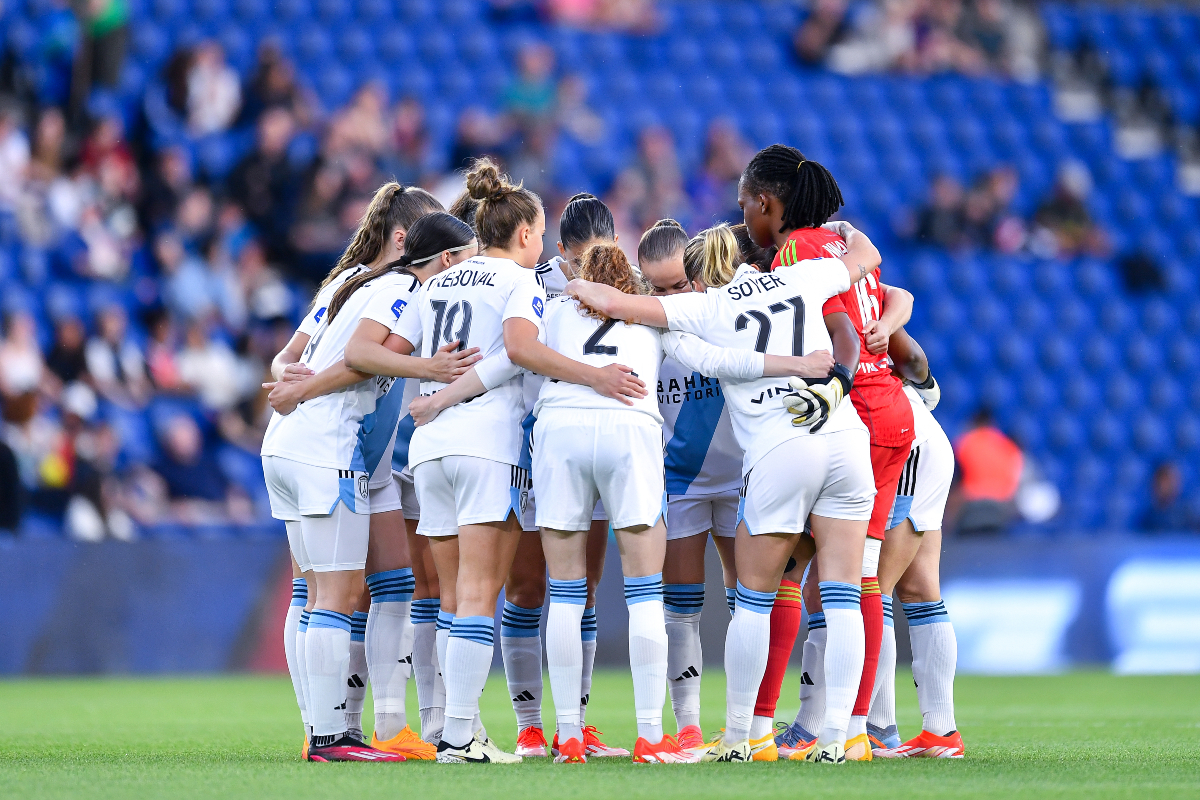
813 400
930 392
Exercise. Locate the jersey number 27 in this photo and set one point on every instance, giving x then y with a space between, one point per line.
794 304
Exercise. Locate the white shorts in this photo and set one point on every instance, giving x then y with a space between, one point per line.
332 543
827 474
466 490
529 519
689 515
385 498
584 455
925 484
408 494
298 490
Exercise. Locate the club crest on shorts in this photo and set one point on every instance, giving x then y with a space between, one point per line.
363 480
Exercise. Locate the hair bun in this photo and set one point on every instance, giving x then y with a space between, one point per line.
484 181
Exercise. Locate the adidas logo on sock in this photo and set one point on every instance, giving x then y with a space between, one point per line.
806 681
355 682
583 701
407 660
690 672
524 697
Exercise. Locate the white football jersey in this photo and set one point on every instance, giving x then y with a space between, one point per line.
777 313
320 303
470 302
339 430
702 454
599 343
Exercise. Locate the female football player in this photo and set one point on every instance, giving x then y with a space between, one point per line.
379 240
833 493
329 439
585 221
587 447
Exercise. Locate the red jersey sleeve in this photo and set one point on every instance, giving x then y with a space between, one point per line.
833 305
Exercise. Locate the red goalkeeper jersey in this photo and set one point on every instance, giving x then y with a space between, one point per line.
877 394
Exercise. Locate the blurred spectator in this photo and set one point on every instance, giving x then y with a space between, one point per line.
1167 512
1063 225
361 125
66 360
1008 232
194 218
14 158
194 485
990 466
941 221
185 289
57 50
573 114
633 15
209 368
478 134
106 24
21 365
49 146
408 143
530 97
162 362
714 190
273 85
168 183
264 183
267 297
657 166
115 361
318 233
214 93
826 25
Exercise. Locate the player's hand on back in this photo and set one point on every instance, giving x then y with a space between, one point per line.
620 383
448 362
423 410
284 396
295 372
817 364
840 227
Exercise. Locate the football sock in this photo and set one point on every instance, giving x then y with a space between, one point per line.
587 631
302 667
872 614
647 652
881 721
327 655
564 653
521 649
441 638
431 694
811 715
356 678
843 656
731 599
746 644
389 648
468 658
935 651
682 603
786 616
290 624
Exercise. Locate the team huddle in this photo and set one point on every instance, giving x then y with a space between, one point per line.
453 419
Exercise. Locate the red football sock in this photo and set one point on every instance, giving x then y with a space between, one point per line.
872 611
785 625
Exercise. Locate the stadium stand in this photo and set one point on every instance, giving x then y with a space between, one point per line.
1087 374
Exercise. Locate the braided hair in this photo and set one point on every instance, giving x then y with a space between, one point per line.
809 193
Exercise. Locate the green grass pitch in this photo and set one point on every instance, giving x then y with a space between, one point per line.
1079 735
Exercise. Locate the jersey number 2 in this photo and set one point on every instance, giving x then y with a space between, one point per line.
592 346
764 324
443 324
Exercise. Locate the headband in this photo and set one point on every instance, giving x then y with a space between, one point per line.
439 252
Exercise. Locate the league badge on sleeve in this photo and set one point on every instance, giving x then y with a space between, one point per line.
538 306
398 306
